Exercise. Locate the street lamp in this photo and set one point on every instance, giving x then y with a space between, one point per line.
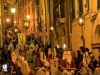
51 33
26 24
81 21
13 10
28 16
7 20
16 30
51 28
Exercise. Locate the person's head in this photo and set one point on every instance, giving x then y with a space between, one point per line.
14 56
90 53
49 51
81 47
54 51
87 50
64 55
91 56
69 56
78 52
22 47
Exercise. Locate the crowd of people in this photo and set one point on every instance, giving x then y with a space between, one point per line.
55 61
48 61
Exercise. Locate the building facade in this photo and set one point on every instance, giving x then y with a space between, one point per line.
45 14
89 10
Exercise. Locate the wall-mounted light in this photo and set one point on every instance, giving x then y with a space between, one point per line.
26 24
16 30
51 28
7 20
13 10
28 16
81 21
15 22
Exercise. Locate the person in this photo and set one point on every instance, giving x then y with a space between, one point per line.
78 59
54 63
42 65
2 61
55 54
49 54
83 68
14 63
38 53
5 51
22 49
66 64
93 63
1 52
35 53
98 65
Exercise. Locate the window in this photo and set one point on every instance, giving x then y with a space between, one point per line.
48 5
62 9
76 8
85 5
25 14
28 10
80 7
72 11
98 4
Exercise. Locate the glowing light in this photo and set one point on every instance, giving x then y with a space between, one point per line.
64 46
51 27
28 16
7 19
13 10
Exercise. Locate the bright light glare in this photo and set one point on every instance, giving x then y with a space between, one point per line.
7 20
13 10
80 20
64 46
51 27
28 16
14 21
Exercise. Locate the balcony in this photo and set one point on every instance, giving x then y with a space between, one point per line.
61 20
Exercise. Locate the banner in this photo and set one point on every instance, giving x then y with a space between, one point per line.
21 38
